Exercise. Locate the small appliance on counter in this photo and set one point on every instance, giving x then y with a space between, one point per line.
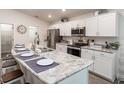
107 46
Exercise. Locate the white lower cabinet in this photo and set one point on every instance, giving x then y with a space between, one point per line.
61 47
88 54
104 63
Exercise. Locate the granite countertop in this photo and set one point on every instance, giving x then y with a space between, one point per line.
101 50
68 65
96 49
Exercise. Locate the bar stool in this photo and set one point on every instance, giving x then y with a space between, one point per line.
12 76
8 63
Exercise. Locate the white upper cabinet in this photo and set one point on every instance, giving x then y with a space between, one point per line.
65 29
81 22
108 24
92 26
102 25
54 26
78 23
73 24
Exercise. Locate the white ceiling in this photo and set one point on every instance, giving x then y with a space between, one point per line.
57 14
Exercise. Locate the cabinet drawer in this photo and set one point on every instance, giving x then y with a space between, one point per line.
87 51
103 54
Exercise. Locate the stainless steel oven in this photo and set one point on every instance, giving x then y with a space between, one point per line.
74 51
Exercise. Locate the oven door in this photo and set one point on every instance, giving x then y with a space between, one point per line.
73 51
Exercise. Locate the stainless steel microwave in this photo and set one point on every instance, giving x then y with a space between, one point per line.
78 31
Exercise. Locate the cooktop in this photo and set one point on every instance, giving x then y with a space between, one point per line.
78 45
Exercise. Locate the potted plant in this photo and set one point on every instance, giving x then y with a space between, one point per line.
114 45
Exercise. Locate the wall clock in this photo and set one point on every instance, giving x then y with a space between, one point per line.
21 29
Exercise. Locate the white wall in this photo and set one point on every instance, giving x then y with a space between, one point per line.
121 37
18 18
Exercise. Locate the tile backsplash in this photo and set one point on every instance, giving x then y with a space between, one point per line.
98 40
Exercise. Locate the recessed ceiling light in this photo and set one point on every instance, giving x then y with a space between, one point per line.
63 10
49 15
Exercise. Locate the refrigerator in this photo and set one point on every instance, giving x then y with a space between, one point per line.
6 34
53 36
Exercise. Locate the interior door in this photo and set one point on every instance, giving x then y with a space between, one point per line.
6 37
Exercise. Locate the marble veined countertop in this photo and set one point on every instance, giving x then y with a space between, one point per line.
96 49
68 65
101 50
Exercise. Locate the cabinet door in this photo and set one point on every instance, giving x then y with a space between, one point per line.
61 28
91 26
81 23
107 24
73 24
88 54
103 64
62 48
65 29
58 47
85 53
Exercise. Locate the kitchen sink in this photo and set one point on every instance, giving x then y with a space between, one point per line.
42 50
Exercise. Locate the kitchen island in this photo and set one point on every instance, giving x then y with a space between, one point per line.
71 69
